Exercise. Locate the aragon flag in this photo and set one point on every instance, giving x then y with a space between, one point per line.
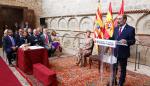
109 24
99 26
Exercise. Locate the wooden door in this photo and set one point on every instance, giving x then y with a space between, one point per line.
29 17
8 16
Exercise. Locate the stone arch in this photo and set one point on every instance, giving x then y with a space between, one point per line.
66 40
53 24
143 24
86 23
67 43
73 24
80 37
62 24
130 19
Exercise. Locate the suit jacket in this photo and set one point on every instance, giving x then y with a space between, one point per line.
128 34
43 40
19 40
8 44
34 40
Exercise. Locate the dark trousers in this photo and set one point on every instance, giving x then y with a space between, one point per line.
123 64
10 56
51 52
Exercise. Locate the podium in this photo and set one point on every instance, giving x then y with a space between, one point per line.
110 59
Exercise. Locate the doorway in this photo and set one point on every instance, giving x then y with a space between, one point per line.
9 15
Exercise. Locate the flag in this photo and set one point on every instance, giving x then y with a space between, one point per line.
109 24
99 26
121 12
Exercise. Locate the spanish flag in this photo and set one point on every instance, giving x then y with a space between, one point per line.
99 26
109 24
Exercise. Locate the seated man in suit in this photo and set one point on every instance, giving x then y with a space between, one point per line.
35 38
29 31
40 31
86 50
47 42
24 39
10 46
18 37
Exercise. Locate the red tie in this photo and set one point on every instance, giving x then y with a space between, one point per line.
120 30
46 39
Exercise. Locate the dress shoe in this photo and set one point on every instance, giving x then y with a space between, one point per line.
121 84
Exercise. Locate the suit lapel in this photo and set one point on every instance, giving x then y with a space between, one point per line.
117 33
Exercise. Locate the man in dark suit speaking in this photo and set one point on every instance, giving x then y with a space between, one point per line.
125 34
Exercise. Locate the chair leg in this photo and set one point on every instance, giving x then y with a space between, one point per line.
90 62
84 61
99 67
78 60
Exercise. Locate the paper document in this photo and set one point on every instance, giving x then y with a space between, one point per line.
35 47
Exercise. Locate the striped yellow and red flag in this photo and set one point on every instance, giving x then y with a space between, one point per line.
99 26
109 24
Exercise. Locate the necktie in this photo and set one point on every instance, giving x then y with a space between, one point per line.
46 39
120 30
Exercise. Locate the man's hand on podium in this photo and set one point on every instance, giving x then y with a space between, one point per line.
123 41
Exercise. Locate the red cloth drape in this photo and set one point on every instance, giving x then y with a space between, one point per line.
26 59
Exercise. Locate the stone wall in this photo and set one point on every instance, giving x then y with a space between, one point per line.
35 5
72 18
71 31
52 8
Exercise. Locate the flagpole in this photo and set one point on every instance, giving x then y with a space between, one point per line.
101 53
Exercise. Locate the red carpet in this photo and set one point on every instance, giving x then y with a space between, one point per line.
7 78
